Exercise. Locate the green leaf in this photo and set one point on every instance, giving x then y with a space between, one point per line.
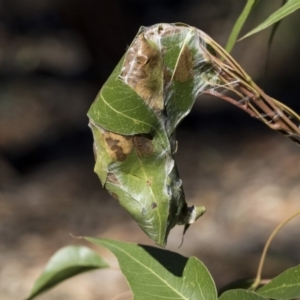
120 109
65 263
285 286
155 274
143 192
239 24
180 54
290 7
241 295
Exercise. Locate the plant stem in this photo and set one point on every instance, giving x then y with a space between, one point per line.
258 280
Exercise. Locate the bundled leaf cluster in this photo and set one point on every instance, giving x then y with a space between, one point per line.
134 118
136 112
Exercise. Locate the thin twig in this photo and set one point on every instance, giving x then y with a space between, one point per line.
257 281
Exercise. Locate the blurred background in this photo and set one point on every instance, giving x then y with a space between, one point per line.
54 57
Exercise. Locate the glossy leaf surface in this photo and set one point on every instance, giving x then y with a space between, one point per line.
154 274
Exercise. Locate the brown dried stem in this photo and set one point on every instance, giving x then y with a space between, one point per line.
250 97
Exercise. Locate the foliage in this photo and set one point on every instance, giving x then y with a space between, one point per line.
288 7
154 274
135 145
65 263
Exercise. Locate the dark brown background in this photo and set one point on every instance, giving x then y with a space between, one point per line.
54 57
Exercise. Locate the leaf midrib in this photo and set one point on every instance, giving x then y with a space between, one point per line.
134 120
150 270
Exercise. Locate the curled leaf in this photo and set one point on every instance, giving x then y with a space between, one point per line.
133 120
